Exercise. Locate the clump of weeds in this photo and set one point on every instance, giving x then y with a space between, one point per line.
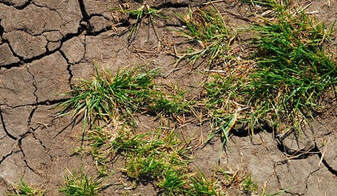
211 36
293 69
269 8
284 87
110 96
24 189
154 156
80 184
248 185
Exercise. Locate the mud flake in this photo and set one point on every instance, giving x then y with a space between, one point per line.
15 3
7 146
82 71
13 168
99 23
51 76
53 36
26 45
16 87
53 46
32 19
73 49
16 120
35 154
6 56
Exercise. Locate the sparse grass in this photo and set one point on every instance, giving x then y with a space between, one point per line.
173 182
269 3
157 156
23 189
223 112
248 186
109 96
99 147
265 193
200 185
160 158
80 184
172 102
206 29
141 13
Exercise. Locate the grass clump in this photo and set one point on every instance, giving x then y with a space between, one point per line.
293 70
80 184
207 29
248 185
108 96
286 86
152 155
200 185
23 189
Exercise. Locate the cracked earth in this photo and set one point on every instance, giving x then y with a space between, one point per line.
45 45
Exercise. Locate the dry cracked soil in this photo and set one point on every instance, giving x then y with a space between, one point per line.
45 45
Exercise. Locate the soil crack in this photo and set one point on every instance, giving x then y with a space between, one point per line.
19 7
2 30
325 163
171 5
5 128
85 16
69 64
38 57
43 145
8 155
35 95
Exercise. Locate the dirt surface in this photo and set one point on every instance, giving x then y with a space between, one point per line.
46 44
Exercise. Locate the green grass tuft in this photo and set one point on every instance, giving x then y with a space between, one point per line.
109 96
285 87
249 186
207 29
150 155
80 184
293 70
23 189
200 185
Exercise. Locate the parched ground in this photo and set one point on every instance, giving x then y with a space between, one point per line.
46 44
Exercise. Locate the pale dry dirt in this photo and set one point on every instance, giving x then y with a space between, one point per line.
45 45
